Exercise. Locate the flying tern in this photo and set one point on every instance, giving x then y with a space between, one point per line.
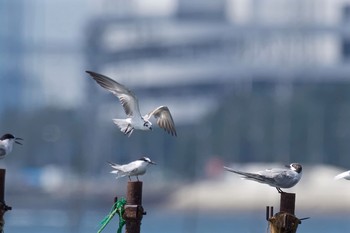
275 177
135 168
6 144
130 104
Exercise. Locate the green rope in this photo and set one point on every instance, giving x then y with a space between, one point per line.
118 207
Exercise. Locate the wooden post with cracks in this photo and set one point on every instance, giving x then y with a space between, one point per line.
287 203
3 206
133 209
284 221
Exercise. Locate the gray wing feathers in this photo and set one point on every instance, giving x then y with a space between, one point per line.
126 97
164 119
128 104
251 176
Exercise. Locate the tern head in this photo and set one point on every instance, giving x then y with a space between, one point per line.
295 167
147 160
10 137
147 124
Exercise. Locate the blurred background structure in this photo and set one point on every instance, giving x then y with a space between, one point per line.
247 81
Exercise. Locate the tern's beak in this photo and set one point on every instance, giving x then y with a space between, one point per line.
287 166
18 141
151 162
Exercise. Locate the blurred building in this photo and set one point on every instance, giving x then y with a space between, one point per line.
199 52
11 58
170 51
192 44
200 47
41 54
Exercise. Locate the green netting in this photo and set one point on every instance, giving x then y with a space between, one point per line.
118 207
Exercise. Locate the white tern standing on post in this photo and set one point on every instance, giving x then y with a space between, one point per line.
6 144
275 177
131 107
135 168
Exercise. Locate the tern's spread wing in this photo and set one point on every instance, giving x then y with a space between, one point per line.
126 97
164 119
343 175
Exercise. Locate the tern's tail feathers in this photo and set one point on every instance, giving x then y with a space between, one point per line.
118 170
247 175
115 166
119 174
124 126
236 171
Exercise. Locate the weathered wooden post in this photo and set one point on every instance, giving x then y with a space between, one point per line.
287 203
3 206
285 221
133 209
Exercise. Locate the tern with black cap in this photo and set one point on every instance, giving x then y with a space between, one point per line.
6 144
135 168
275 177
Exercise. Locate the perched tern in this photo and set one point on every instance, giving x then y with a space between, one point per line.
6 144
343 175
135 168
275 177
131 107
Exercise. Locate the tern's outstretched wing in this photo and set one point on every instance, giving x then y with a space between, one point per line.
343 175
164 119
126 97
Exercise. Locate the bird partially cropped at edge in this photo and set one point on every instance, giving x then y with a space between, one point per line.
275 177
135 168
343 175
130 104
6 144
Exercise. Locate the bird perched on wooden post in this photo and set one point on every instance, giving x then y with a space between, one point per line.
130 104
135 168
275 177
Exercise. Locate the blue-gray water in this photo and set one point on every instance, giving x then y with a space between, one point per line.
54 221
